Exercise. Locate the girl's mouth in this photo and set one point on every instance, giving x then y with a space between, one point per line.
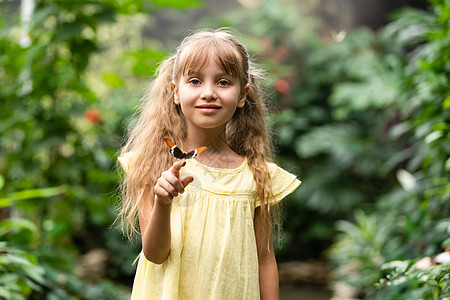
208 108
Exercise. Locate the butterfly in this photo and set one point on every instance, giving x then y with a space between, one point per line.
178 153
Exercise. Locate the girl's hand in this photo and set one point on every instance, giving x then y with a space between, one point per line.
169 185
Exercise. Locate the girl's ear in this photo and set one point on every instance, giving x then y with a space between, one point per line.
244 94
176 97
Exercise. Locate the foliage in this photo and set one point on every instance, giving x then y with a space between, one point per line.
403 281
364 242
60 131
19 273
23 275
423 116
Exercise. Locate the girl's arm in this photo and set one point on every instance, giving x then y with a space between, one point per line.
268 271
154 220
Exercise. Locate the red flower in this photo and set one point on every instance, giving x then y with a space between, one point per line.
282 86
93 116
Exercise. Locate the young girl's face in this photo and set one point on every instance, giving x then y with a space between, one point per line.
209 97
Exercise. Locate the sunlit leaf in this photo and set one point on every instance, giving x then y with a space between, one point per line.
178 3
145 61
30 194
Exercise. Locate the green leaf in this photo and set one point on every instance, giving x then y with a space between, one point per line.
4 292
446 104
112 79
18 230
178 3
30 194
145 61
338 140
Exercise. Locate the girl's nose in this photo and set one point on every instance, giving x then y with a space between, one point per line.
208 92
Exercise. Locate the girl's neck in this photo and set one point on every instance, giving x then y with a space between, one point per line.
206 137
218 154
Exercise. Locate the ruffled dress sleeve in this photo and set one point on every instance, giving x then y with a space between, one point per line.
283 183
124 161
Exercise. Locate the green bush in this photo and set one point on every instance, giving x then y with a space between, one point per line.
416 47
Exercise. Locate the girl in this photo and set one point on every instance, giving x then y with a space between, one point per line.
205 222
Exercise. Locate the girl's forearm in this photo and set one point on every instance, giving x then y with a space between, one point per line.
268 280
268 270
156 239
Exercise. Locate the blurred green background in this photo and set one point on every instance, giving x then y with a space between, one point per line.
360 113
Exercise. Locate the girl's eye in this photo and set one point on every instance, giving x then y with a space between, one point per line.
223 83
194 81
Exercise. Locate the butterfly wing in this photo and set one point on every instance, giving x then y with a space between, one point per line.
174 150
190 154
194 153
170 143
179 154
201 149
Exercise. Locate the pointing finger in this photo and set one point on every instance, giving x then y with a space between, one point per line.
176 167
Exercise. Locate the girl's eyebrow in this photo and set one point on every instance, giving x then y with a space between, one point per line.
200 74
192 73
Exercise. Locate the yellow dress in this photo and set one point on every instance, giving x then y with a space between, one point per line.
213 249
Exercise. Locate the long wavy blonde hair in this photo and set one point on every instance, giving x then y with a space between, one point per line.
158 117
